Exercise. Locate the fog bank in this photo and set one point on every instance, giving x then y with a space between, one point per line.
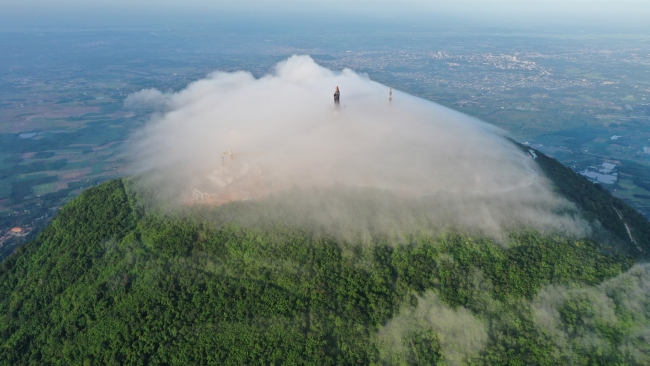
232 137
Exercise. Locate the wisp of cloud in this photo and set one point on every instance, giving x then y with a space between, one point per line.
233 137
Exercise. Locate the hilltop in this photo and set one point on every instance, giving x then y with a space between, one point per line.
113 280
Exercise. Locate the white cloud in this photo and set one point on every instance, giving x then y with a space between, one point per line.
285 131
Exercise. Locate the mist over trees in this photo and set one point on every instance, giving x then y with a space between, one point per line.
115 280
391 235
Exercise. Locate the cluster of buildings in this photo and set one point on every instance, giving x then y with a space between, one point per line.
13 233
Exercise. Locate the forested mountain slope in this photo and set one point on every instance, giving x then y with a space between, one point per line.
597 204
111 281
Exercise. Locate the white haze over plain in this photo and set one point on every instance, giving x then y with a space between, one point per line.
471 175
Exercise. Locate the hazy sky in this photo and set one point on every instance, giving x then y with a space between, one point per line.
520 10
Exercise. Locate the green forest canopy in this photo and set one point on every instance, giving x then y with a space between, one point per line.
112 281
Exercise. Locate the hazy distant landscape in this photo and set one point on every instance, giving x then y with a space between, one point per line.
581 97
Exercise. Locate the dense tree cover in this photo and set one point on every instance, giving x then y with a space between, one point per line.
597 204
111 281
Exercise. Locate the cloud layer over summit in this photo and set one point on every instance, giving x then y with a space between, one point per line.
285 130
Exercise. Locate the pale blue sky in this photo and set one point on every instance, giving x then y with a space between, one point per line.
618 11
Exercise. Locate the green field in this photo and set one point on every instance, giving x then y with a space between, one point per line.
45 188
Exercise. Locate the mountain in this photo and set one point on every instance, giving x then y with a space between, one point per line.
113 280
596 204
